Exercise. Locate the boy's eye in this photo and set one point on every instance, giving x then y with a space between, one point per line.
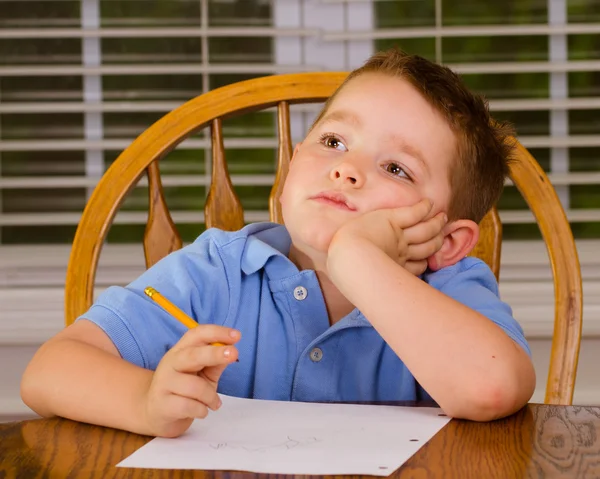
396 170
332 141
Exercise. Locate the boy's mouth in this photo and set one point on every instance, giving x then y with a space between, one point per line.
334 198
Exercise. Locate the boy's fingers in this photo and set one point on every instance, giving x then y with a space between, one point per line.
195 387
195 358
422 251
416 267
425 230
407 216
181 407
208 334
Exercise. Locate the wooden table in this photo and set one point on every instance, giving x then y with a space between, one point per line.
539 442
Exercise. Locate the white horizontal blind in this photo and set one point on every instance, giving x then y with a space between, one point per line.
79 79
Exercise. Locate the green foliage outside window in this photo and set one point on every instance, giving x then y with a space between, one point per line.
259 50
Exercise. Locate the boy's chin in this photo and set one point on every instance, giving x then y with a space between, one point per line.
315 240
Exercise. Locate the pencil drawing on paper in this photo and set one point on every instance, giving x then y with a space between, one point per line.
289 443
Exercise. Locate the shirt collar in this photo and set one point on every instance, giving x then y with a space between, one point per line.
265 241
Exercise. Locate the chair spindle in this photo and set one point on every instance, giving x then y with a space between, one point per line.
161 236
223 208
488 248
284 155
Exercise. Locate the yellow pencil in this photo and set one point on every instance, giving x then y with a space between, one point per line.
173 310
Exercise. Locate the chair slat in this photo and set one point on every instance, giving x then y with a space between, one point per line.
284 155
489 246
161 236
223 208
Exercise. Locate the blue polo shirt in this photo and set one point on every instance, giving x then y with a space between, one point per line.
288 350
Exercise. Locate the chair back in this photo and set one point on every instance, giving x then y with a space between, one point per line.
224 210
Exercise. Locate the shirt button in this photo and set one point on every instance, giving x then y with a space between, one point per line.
300 293
316 355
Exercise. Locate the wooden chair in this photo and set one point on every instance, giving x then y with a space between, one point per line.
223 208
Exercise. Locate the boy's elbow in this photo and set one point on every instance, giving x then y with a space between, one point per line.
493 400
31 390
491 404
29 393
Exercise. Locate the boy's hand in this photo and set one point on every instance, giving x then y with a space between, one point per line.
184 385
402 233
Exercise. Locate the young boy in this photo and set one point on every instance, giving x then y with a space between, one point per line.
366 294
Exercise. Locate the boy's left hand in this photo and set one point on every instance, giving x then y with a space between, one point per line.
402 233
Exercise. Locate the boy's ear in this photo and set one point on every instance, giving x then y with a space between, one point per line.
460 237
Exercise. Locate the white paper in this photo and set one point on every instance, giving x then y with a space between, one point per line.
282 437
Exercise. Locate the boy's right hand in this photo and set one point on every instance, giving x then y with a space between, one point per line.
184 385
407 234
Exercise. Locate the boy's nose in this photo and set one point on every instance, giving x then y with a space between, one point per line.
347 173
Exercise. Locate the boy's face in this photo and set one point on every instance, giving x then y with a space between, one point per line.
380 145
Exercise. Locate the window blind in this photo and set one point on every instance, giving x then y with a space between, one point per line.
80 79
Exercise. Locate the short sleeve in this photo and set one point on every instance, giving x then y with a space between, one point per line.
475 285
193 278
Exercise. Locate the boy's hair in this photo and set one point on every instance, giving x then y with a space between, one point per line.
484 145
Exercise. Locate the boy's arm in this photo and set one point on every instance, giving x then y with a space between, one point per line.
79 374
467 363
129 364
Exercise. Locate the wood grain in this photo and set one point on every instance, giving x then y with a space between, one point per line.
540 195
537 442
161 236
540 441
224 210
284 155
